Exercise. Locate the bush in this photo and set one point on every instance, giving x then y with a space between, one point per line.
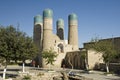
27 77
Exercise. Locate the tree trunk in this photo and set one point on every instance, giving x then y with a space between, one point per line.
71 65
6 63
16 61
86 64
107 67
4 72
23 67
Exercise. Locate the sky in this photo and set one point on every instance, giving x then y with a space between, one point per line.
96 18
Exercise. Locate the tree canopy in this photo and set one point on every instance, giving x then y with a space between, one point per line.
105 47
49 56
16 45
7 41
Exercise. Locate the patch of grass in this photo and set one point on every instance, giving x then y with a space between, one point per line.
40 74
6 77
108 73
27 77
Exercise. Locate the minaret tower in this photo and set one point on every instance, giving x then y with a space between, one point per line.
37 37
38 30
60 29
73 31
47 29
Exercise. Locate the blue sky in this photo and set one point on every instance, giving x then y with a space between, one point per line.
99 18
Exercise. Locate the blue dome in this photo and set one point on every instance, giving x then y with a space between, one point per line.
48 13
60 22
38 19
72 16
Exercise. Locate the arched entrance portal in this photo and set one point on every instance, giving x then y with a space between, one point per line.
60 48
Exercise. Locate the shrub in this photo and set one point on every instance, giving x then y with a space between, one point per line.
27 77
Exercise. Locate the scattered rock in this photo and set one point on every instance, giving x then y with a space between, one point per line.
65 77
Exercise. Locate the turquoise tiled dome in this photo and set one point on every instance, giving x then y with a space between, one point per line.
72 16
38 19
48 13
60 23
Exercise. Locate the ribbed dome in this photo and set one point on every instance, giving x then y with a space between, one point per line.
38 19
72 16
48 13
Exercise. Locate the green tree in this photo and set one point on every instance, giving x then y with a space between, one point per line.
49 56
27 49
15 45
7 39
106 48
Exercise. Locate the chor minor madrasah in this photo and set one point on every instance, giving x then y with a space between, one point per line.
69 54
45 39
